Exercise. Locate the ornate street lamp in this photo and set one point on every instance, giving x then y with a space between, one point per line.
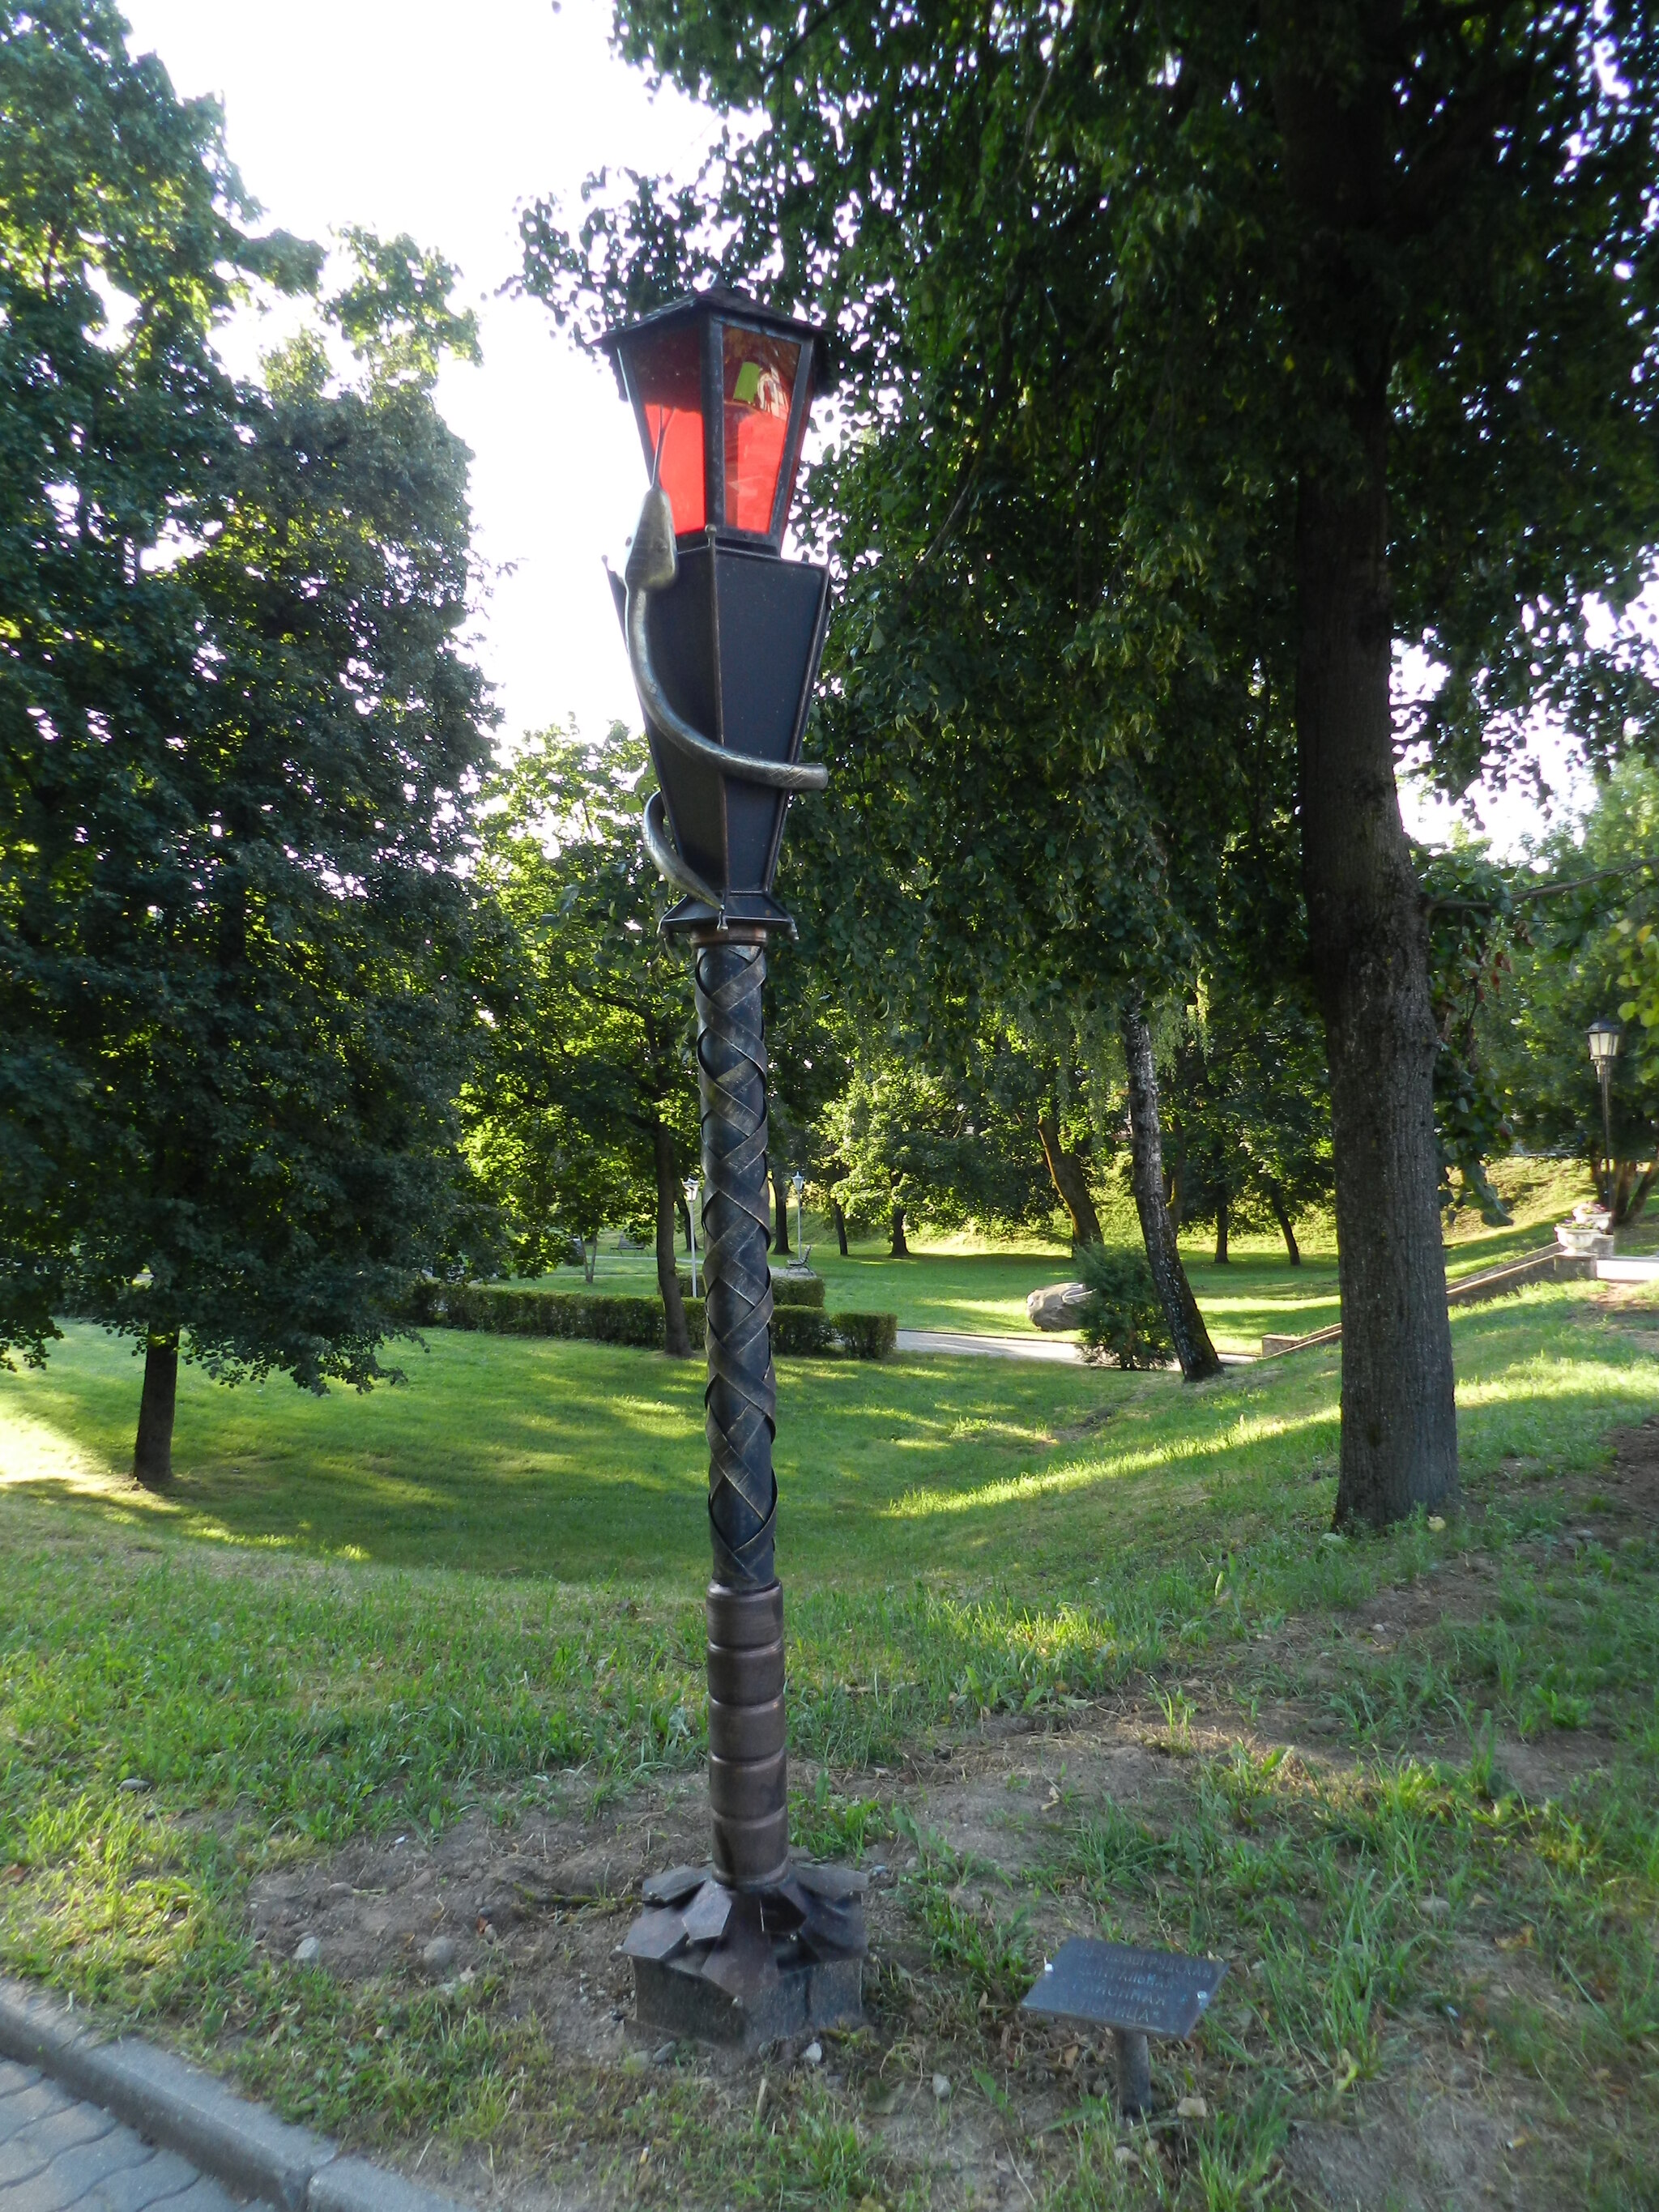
724 638
1604 1039
798 1184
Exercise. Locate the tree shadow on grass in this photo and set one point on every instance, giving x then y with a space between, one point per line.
587 1463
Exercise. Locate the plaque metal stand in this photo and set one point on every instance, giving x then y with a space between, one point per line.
1136 1994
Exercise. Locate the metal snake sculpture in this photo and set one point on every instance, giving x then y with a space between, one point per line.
652 565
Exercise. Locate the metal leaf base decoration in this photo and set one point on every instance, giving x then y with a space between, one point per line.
728 1966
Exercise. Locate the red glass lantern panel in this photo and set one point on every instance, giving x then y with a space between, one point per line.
759 376
664 376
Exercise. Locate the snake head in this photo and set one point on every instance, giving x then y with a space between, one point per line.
652 565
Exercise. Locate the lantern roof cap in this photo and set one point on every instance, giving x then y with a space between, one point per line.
723 300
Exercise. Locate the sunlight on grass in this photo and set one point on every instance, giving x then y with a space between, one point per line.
32 1452
1249 1429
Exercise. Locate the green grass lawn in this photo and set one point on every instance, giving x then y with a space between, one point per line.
958 1284
1407 1785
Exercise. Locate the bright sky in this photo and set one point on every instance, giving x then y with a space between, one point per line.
441 120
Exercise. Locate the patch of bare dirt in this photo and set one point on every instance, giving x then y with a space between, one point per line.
1434 2140
542 1902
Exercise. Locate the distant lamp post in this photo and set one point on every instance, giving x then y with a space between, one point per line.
693 1190
1604 1039
798 1184
724 637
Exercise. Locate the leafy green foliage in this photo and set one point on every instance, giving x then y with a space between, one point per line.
945 1144
587 1050
1246 1108
1474 922
1190 360
1593 890
1123 1317
238 744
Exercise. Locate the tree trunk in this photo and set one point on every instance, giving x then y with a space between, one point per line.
1171 1180
780 1215
1369 945
590 1256
684 1214
1223 1224
840 1220
1631 1192
152 1454
1638 1197
899 1249
1367 927
1070 1182
676 1338
1276 1200
1193 1347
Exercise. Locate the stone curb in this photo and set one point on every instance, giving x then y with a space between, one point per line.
179 2105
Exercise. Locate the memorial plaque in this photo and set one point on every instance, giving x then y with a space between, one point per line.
1113 1985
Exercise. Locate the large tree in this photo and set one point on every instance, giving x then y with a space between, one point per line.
1249 1113
586 1106
237 737
1337 313
1569 946
949 1143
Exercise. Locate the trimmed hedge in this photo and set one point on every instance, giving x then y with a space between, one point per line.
798 1331
803 1333
503 1310
865 1335
787 1290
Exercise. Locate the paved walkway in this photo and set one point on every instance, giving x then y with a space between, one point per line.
995 1348
1064 1349
57 2152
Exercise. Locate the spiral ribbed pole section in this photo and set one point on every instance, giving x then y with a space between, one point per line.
741 1399
747 1785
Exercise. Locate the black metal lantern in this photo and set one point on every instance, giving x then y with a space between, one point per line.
721 388
724 637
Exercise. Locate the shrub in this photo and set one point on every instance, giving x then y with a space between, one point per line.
865 1335
800 1331
1123 1317
787 1290
504 1309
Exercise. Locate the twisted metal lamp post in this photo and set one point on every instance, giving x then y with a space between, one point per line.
724 638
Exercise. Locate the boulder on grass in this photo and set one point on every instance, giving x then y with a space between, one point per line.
1056 1307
